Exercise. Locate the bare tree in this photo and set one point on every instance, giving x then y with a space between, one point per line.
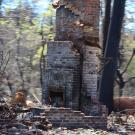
106 22
111 51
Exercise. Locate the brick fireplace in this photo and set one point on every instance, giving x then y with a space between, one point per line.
70 78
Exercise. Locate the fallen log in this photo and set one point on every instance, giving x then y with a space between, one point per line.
124 104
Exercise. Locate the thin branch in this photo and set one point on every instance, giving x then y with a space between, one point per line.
130 60
1 61
20 71
6 63
130 79
7 56
9 83
107 61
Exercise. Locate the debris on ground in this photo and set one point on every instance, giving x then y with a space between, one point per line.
122 123
32 121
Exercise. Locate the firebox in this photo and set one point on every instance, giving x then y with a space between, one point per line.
62 75
56 96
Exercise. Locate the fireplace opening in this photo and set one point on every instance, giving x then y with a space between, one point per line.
56 96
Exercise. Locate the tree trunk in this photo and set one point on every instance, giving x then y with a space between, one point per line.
111 51
1 7
42 57
1 39
18 51
106 21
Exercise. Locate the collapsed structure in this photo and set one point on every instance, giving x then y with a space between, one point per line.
70 78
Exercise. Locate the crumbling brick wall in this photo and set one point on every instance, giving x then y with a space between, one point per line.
80 18
76 21
62 74
65 117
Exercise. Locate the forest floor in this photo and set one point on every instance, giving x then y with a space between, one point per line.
118 124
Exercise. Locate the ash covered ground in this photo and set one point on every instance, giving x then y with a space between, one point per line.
26 123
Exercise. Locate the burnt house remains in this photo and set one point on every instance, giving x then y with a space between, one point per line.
70 78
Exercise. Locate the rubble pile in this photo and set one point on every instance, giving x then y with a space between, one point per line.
123 123
24 123
34 121
79 131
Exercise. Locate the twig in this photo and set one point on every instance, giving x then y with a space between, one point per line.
126 110
4 68
130 79
107 61
131 58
